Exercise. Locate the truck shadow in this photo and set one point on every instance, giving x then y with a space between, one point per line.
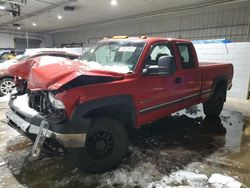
169 144
179 140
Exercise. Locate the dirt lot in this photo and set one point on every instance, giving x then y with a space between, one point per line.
182 150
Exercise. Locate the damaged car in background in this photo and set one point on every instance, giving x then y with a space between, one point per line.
7 83
92 106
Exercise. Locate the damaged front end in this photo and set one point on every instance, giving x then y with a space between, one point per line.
41 117
37 111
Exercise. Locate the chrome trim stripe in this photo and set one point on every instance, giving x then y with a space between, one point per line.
145 110
206 91
191 96
159 106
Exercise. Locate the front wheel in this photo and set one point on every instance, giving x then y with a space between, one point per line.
105 146
214 105
6 86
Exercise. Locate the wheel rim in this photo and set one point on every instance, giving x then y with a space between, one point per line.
100 145
7 86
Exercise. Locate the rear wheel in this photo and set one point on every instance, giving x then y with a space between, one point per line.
214 105
105 146
6 86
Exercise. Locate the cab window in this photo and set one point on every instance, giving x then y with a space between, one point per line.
158 50
187 60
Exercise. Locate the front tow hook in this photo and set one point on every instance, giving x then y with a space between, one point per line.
40 138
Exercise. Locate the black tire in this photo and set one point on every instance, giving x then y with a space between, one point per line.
6 86
214 105
105 146
213 125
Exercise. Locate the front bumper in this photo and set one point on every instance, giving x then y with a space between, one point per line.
69 134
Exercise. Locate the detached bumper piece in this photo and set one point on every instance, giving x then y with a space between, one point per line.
38 128
40 139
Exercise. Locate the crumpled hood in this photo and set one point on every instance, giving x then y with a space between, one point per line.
51 73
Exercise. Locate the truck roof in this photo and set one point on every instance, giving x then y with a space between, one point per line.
143 39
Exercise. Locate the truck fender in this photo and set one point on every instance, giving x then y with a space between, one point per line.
84 108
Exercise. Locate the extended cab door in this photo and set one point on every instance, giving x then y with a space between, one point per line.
158 93
188 77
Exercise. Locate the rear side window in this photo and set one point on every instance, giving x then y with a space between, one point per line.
187 60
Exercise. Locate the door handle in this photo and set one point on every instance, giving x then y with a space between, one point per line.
178 80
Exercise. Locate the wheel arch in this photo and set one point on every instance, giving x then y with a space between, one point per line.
1 78
220 81
119 107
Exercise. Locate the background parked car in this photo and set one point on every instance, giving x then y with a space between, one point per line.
7 80
4 54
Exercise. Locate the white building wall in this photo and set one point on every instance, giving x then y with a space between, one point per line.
47 41
236 53
7 39
229 21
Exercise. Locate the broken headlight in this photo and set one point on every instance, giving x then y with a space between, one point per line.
55 102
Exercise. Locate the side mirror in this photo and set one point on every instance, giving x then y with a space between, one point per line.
166 66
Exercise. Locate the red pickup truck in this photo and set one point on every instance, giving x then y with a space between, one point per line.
92 105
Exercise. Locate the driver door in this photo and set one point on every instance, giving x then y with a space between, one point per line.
157 90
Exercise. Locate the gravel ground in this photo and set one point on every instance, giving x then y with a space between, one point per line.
183 150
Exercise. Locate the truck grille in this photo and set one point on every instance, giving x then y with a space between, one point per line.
39 101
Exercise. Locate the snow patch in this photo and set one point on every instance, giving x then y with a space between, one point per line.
182 178
221 181
3 163
146 175
141 175
92 65
46 60
5 98
21 102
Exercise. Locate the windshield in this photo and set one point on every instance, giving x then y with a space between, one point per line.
116 56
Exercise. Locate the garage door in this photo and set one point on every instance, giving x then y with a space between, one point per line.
21 44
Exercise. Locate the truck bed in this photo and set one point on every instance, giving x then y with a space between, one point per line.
212 71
